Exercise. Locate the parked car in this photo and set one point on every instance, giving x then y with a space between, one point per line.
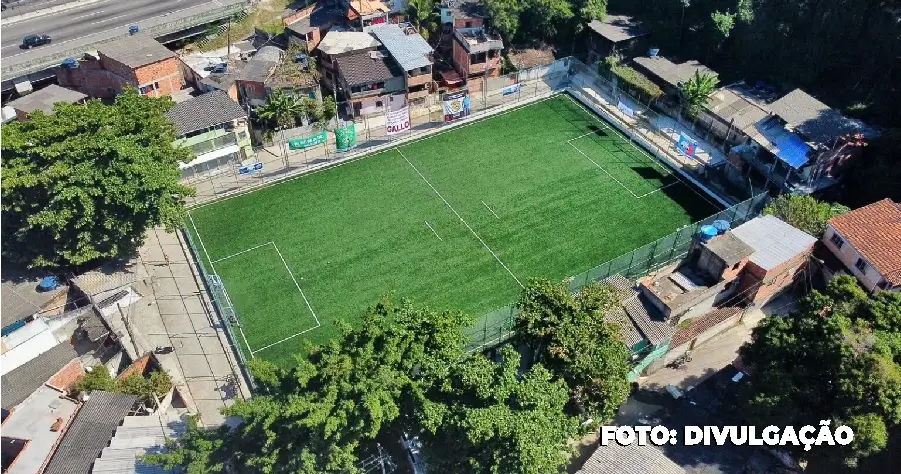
31 41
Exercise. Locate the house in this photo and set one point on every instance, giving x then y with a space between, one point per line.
802 143
461 14
215 128
274 69
730 111
91 431
369 81
867 241
21 381
33 430
137 60
44 100
476 55
614 34
365 13
629 459
310 25
667 74
341 43
699 297
217 69
412 54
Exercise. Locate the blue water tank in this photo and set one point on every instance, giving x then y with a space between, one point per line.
48 283
133 29
722 226
653 52
708 232
70 63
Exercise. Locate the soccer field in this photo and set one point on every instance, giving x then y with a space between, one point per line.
457 220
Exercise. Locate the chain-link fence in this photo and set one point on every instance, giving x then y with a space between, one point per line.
228 318
497 326
276 162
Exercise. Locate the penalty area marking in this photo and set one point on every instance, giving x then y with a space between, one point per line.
296 284
636 196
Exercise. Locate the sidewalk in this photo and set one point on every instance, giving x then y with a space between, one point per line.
708 358
180 315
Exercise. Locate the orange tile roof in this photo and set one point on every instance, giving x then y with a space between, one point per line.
875 231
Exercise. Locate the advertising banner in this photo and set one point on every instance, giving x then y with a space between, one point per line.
346 137
512 89
625 109
398 121
456 105
686 145
251 168
307 142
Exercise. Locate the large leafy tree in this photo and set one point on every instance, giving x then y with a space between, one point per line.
836 359
282 109
319 416
486 418
504 16
804 212
423 16
569 336
84 183
696 92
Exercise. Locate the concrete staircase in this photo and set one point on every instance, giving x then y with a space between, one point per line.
138 435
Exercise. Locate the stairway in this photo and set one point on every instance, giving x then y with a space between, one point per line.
138 435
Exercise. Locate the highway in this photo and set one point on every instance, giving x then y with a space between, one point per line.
88 20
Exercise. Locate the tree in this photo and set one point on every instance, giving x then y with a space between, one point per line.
504 15
84 183
544 16
724 22
836 359
568 334
282 109
317 416
198 451
424 16
804 212
696 92
98 378
488 419
876 174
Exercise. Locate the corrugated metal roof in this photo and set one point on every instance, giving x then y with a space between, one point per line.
774 242
90 432
44 99
204 111
671 72
631 459
654 328
19 384
618 28
339 42
411 51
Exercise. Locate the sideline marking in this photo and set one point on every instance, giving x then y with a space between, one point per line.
433 231
490 210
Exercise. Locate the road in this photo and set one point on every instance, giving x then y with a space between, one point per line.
88 20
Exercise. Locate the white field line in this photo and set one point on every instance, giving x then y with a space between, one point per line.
287 338
605 171
433 231
583 135
363 154
241 330
461 218
658 189
305 300
490 210
213 269
241 252
641 150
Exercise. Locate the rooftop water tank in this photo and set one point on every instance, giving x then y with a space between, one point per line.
722 226
653 52
708 232
70 63
49 283
133 29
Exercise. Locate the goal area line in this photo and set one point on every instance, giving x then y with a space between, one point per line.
622 185
252 352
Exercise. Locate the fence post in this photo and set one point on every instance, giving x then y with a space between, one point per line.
651 258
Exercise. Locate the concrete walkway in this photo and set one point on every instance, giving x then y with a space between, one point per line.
707 358
179 314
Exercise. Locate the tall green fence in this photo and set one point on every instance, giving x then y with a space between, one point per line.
497 326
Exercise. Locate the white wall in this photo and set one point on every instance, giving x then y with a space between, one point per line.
849 255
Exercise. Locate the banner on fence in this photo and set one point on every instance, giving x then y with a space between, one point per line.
251 168
398 120
307 142
456 105
512 89
625 109
686 145
346 137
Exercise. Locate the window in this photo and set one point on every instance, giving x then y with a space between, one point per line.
469 24
378 103
837 241
149 88
328 75
861 265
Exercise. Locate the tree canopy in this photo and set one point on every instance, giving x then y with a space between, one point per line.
838 359
84 183
570 337
696 92
804 212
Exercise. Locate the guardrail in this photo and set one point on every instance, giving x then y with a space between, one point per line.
11 71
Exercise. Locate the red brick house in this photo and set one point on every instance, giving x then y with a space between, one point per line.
137 60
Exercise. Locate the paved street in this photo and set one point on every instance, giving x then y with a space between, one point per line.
183 319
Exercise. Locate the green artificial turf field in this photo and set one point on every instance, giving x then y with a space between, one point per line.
457 220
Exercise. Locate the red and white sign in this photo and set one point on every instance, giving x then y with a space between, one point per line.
398 121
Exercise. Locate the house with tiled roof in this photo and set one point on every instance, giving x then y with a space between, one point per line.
370 81
215 128
867 241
